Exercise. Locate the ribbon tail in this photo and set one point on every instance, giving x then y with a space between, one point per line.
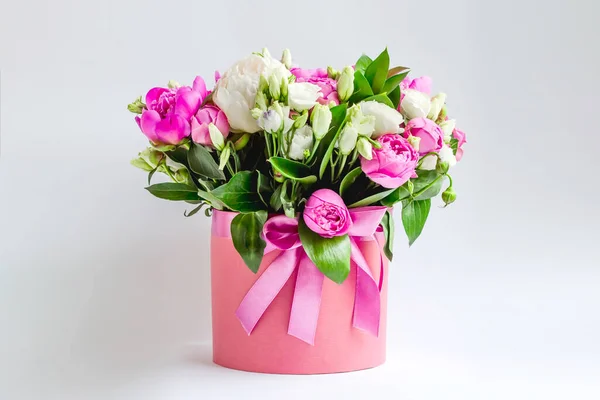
367 300
307 301
264 290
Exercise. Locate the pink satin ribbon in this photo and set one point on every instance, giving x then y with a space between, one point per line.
281 233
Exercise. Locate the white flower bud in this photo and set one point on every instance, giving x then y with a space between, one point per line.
216 137
437 103
447 127
429 163
347 140
345 84
173 84
224 157
286 58
365 148
320 119
414 142
303 95
274 87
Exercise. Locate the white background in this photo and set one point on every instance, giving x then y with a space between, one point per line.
104 290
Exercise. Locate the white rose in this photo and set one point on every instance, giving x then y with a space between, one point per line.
415 104
303 96
235 92
302 140
447 155
387 120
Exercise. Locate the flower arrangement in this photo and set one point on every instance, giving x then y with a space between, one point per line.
319 147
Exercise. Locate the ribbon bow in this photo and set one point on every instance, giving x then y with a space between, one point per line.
281 232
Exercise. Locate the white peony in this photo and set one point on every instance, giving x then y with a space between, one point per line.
303 95
415 104
387 120
302 140
235 92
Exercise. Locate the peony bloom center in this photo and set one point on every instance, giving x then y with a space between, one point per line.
329 217
165 102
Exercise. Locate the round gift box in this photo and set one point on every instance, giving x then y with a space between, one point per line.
338 346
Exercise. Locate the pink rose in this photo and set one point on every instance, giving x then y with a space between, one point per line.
205 116
166 118
320 78
393 164
422 84
326 214
462 139
431 135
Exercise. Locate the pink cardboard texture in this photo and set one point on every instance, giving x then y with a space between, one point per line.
339 347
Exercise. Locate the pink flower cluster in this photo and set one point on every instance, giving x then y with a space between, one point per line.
172 114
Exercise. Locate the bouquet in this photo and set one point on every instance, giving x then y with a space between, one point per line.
321 147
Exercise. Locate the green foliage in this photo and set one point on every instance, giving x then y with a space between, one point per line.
240 193
201 162
414 216
174 191
330 255
376 73
293 170
246 234
387 223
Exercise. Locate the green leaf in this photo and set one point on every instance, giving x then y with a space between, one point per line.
331 256
393 82
427 185
293 170
240 193
363 63
454 145
414 215
371 199
211 199
286 201
394 97
275 201
362 88
398 70
179 154
377 71
264 188
194 211
381 98
349 179
202 163
151 174
396 196
388 231
328 143
174 191
246 234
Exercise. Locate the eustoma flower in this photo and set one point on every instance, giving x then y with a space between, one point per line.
393 164
326 214
166 119
387 119
319 77
204 117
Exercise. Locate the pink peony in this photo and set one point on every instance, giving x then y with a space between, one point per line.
326 214
393 164
422 84
462 139
431 135
206 115
166 118
320 78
